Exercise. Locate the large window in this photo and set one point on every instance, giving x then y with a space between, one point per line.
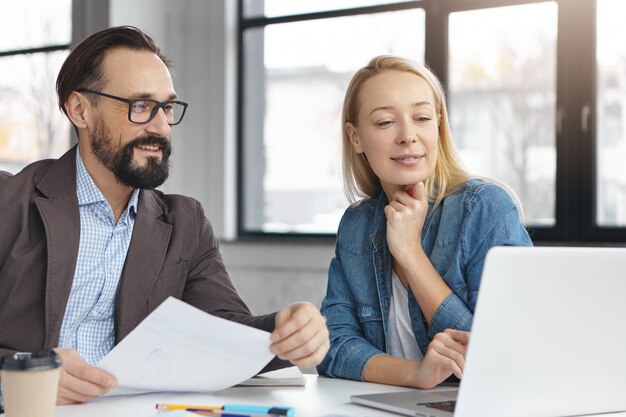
536 92
34 43
296 70
502 96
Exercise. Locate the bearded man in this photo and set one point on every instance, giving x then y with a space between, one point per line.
88 247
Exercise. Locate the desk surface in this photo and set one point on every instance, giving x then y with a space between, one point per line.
320 397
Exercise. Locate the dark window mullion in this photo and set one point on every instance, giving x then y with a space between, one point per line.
239 180
259 21
49 48
575 148
450 6
436 38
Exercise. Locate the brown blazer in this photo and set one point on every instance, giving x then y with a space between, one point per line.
173 252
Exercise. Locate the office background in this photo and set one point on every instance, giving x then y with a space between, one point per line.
537 95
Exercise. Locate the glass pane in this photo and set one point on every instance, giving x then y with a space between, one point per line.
611 116
274 8
503 99
35 23
295 79
31 125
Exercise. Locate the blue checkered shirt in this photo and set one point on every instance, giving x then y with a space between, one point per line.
89 321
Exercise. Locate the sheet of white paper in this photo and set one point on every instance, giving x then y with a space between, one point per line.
181 348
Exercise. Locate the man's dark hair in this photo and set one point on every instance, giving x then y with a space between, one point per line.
83 66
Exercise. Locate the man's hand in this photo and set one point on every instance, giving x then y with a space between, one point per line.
445 356
300 335
80 381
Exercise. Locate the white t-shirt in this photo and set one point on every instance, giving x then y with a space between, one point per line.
401 341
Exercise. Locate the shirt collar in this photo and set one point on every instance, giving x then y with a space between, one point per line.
88 192
133 203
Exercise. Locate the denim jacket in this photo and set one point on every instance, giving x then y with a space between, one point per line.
456 236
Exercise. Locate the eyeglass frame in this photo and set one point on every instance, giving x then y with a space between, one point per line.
131 101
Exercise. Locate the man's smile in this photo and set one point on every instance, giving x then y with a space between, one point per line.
150 147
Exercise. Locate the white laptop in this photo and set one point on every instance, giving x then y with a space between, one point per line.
548 339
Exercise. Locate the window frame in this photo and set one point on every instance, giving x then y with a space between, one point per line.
41 49
256 22
575 182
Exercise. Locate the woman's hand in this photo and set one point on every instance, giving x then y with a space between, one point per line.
445 356
405 214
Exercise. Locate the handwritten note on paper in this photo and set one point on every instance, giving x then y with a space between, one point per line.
181 348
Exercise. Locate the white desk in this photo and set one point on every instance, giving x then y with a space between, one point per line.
319 397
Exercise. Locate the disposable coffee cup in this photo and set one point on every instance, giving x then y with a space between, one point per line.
29 383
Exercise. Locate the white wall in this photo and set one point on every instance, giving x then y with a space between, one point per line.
201 37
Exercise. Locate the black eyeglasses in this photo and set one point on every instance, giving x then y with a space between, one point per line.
142 110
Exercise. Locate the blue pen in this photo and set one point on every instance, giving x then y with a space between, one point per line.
235 409
260 409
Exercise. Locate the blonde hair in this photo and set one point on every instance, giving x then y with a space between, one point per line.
359 180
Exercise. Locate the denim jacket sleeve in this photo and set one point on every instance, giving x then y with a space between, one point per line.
491 218
349 350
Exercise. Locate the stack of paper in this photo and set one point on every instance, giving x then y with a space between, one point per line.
287 377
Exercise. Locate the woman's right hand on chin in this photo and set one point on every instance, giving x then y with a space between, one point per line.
445 356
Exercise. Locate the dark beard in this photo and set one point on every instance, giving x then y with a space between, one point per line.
120 162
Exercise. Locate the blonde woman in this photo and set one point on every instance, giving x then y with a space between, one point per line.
410 250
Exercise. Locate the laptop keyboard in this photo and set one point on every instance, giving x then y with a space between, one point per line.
440 405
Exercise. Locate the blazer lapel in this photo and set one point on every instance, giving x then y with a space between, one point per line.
146 254
58 208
